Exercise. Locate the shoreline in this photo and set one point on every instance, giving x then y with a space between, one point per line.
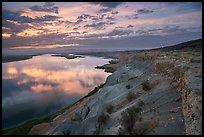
135 67
46 118
49 117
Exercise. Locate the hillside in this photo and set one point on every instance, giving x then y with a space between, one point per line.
150 92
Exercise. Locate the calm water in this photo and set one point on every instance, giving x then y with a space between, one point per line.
43 84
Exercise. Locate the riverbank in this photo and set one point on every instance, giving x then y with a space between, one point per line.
13 58
24 128
156 92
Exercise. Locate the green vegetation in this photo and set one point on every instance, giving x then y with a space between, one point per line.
110 109
132 78
23 129
128 120
107 68
146 85
113 61
127 86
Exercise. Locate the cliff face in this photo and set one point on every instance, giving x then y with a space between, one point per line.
150 92
187 78
182 66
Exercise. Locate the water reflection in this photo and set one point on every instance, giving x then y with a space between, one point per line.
45 83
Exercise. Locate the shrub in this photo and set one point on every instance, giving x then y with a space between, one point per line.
131 96
102 119
109 69
113 61
110 108
128 86
98 130
128 119
132 78
146 85
141 103
143 73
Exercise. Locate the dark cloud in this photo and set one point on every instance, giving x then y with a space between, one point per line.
78 21
72 33
114 12
84 16
110 18
166 30
16 16
144 11
113 33
139 12
135 16
130 26
104 10
100 25
107 4
13 28
84 32
75 28
47 39
47 7
45 18
120 33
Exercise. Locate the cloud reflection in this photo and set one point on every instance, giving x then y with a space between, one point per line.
46 83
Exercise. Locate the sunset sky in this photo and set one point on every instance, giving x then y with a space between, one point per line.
99 24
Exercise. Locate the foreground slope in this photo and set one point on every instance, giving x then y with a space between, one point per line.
155 91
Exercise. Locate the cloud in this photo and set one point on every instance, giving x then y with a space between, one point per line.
100 25
78 21
130 26
120 32
16 16
104 10
45 18
110 18
12 28
47 7
72 33
84 16
166 30
139 12
107 4
144 11
114 12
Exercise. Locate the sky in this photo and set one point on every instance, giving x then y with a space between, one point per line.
138 25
